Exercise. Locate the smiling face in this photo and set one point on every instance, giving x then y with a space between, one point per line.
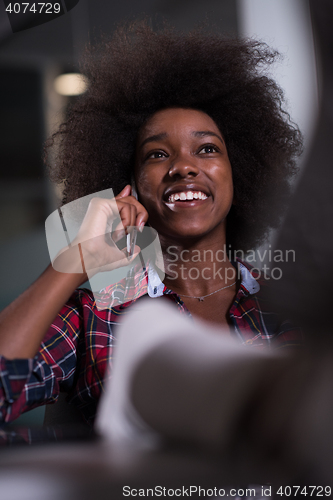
183 174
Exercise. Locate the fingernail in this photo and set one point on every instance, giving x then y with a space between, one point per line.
141 226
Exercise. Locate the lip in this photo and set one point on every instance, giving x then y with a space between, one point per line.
178 188
186 204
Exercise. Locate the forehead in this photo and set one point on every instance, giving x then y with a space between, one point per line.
180 119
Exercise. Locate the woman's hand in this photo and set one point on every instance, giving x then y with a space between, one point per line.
21 334
94 247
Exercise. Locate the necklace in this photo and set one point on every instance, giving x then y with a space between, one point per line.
204 296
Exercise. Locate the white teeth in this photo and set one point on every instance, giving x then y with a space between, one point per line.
187 195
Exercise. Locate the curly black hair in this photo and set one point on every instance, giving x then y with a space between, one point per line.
138 72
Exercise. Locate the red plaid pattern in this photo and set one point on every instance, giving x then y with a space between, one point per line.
76 354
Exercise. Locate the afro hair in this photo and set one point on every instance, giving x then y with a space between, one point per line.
140 71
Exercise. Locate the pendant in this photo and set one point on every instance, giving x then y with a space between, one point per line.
201 299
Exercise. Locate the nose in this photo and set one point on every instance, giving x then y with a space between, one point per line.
183 167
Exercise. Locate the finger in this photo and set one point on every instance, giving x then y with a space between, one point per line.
141 213
100 213
128 214
127 191
125 215
133 215
141 219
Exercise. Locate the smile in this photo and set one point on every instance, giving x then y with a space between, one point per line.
187 195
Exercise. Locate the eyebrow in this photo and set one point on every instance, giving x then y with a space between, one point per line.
153 138
205 133
164 135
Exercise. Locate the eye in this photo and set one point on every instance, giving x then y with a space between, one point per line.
208 149
155 155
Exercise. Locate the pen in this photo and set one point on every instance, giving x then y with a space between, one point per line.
131 241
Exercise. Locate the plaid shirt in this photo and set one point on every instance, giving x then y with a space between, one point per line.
76 354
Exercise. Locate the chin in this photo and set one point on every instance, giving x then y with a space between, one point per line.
185 235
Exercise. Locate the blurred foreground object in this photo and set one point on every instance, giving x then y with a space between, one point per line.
183 376
179 381
304 292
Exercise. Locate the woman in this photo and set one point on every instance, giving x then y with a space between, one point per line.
211 151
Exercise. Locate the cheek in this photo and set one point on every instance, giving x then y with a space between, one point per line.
140 180
226 188
223 178
228 175
146 185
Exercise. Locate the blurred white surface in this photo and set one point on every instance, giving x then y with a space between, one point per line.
286 26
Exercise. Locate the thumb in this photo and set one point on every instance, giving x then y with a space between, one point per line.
125 192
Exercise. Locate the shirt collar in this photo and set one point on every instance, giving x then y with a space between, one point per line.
248 281
155 285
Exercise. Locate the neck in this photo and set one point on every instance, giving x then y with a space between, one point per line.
197 269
